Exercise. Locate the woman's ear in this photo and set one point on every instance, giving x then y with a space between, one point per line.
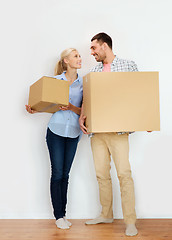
65 60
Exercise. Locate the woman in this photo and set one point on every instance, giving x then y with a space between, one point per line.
63 133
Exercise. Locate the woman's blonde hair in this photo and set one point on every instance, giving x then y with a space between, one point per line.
61 65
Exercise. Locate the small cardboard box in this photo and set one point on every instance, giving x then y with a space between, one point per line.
121 101
47 94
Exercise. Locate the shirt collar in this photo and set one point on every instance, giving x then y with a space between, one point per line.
63 76
113 62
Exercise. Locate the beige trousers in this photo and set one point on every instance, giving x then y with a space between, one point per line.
103 145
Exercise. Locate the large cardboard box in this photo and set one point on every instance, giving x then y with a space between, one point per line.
47 94
121 101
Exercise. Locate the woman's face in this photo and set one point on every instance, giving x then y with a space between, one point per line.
74 60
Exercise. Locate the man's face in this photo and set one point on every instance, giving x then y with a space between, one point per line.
97 50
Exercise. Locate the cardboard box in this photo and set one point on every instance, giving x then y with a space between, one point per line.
47 94
121 101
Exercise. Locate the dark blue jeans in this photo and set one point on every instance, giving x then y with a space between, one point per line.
62 151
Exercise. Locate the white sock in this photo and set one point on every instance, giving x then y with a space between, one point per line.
61 223
131 230
68 223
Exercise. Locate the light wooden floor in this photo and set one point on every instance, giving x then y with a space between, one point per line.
149 229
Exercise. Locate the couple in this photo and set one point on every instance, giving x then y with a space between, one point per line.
64 131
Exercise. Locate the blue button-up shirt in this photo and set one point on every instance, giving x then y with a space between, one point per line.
65 123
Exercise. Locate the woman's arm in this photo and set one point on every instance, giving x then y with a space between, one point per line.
71 107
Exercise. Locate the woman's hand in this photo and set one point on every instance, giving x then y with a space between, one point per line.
64 108
71 107
29 110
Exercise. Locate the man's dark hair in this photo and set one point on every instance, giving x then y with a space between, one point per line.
103 37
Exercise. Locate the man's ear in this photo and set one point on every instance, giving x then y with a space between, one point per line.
104 46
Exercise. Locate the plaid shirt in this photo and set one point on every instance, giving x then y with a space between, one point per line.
118 65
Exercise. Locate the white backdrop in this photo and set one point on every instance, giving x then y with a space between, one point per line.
33 33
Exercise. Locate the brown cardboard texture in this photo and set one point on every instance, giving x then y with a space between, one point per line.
47 94
121 101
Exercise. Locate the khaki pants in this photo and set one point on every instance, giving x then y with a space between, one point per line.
103 145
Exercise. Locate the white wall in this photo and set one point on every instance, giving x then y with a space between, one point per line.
33 33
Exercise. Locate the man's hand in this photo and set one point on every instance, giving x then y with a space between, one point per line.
81 123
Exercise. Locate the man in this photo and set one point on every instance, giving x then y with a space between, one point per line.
116 144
